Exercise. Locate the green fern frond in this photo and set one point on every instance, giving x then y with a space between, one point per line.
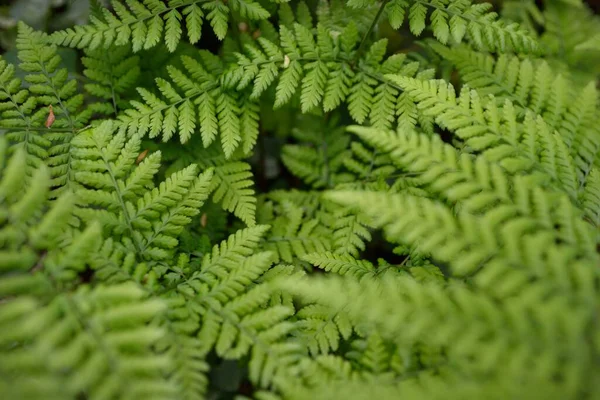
231 309
190 366
477 186
146 23
475 245
28 111
232 178
322 329
565 107
292 236
455 21
591 197
232 252
37 243
97 342
112 73
367 164
149 217
93 341
350 232
234 190
36 234
18 117
325 71
373 355
318 164
566 42
335 15
342 264
526 145
426 306
346 230
194 100
51 87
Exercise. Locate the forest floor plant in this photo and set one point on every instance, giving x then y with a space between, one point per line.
344 199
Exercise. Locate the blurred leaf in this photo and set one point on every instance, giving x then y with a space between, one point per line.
32 12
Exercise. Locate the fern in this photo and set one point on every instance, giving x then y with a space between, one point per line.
341 264
536 89
292 236
149 218
90 340
144 24
526 145
232 179
307 62
19 116
28 110
230 306
453 20
374 232
111 77
321 329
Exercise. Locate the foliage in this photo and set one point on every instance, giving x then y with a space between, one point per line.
289 200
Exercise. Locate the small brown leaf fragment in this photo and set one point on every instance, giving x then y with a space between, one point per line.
256 34
51 118
203 220
141 156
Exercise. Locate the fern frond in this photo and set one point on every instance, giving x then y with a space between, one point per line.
324 72
322 329
373 354
465 333
566 42
292 236
342 264
474 185
591 197
231 309
96 342
52 87
93 341
19 118
349 232
193 100
149 217
112 74
335 15
320 163
457 20
232 178
567 110
146 23
233 251
475 245
516 145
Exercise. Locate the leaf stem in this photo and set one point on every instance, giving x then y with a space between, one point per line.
366 35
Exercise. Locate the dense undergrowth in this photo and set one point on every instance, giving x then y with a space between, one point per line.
302 200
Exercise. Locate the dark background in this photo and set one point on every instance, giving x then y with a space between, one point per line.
594 4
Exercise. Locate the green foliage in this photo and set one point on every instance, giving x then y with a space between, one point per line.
112 75
453 20
391 217
326 69
112 190
145 24
26 107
